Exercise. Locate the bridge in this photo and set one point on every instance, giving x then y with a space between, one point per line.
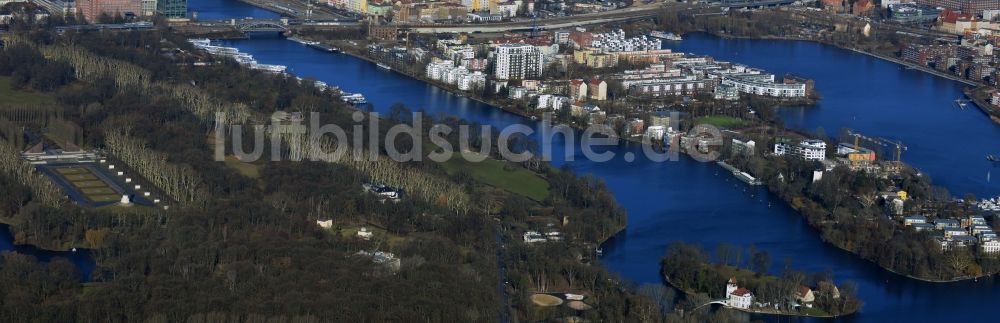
621 15
255 25
753 3
715 301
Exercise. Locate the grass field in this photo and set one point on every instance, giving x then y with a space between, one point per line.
89 184
245 169
491 172
9 96
722 122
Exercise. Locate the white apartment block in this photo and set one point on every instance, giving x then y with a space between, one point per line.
812 149
517 62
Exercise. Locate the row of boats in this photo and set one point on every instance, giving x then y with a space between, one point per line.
665 35
314 44
234 53
248 60
992 204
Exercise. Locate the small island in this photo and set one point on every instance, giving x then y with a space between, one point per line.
687 267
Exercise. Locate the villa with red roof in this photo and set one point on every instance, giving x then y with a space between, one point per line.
737 297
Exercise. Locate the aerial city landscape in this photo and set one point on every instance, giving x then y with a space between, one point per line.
499 160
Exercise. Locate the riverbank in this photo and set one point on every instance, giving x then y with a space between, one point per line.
977 97
353 51
823 300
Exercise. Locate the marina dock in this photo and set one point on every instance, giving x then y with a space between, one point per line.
740 175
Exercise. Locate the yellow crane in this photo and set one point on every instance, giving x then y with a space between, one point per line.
897 156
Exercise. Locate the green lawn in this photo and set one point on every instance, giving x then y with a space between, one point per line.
722 122
491 172
246 169
8 96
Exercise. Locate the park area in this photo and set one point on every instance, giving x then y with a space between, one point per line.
88 184
498 174
722 122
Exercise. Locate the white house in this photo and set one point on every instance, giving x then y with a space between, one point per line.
736 296
533 236
811 149
325 224
656 132
991 246
364 234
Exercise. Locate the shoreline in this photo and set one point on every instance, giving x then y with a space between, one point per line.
601 243
687 292
495 105
890 59
463 94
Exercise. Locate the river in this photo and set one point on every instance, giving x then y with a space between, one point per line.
80 258
698 203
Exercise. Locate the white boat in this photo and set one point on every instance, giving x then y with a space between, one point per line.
200 42
353 98
380 65
665 35
269 68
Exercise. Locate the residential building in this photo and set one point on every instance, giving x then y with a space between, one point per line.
172 9
365 234
554 102
941 224
922 226
147 8
660 118
737 297
992 246
764 85
810 149
744 148
598 90
635 127
477 5
578 89
804 295
92 9
533 237
974 7
505 9
517 62
727 92
379 9
656 132
914 219
384 33
979 228
356 6
950 233
472 81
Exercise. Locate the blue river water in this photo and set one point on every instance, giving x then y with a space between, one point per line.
686 200
81 258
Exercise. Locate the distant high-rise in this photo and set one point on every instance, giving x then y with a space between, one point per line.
147 7
92 9
172 8
974 7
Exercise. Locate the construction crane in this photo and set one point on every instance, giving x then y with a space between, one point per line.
858 137
534 25
900 147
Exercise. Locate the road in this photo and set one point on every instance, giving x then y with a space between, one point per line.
630 13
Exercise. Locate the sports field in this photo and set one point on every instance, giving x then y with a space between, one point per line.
92 187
